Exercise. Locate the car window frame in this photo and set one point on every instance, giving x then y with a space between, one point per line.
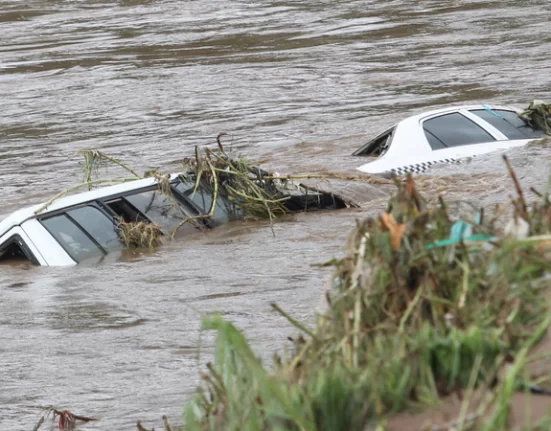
187 205
102 202
487 127
95 205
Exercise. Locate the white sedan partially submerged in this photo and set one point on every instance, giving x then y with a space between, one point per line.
82 226
446 136
75 228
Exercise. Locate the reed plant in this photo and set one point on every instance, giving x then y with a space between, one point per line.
253 192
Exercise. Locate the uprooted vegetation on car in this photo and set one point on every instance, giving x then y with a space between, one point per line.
538 115
421 308
216 182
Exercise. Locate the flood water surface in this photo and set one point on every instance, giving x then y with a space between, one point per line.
298 84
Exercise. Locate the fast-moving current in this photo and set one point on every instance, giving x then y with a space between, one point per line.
299 84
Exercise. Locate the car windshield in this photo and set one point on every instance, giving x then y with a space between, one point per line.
509 123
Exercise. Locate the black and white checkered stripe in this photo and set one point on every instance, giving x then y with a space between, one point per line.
421 167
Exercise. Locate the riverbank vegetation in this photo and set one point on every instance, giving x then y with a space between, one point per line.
433 321
423 308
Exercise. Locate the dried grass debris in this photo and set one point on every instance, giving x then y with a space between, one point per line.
139 234
538 116
66 420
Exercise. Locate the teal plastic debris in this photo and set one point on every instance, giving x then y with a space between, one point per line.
462 231
491 111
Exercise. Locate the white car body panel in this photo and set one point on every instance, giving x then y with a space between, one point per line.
52 253
387 164
410 150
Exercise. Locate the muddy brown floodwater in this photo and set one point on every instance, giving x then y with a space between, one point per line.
299 83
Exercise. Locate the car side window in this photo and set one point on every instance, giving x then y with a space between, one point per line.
71 237
100 227
161 209
509 123
224 210
454 130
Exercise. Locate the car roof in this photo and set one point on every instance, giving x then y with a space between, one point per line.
20 216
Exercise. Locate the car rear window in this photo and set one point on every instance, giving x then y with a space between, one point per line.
454 130
509 123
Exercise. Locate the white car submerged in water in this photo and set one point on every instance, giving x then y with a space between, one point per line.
446 136
86 226
83 226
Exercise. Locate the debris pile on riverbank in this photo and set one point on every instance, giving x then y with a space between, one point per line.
422 308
